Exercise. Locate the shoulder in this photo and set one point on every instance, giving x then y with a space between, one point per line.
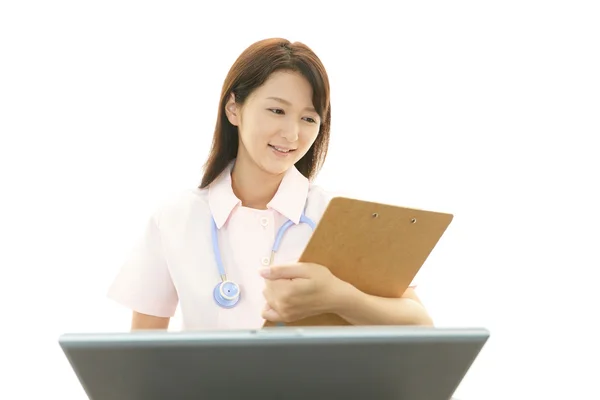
317 201
182 206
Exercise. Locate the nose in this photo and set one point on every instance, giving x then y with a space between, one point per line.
291 131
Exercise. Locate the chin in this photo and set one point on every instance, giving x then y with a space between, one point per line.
272 170
276 168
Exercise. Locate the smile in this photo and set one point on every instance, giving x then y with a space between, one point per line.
281 149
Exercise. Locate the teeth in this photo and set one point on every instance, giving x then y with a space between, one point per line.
281 150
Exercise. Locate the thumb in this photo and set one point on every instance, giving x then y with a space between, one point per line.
285 272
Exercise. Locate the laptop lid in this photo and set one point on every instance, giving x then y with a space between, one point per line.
396 363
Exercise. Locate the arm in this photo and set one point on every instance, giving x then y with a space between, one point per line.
141 321
359 308
144 283
297 291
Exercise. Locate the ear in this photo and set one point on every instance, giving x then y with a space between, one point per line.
232 111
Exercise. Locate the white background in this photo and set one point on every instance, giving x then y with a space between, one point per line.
488 110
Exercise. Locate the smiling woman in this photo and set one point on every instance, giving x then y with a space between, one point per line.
277 126
281 78
226 252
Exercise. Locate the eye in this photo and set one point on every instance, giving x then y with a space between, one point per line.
276 111
311 120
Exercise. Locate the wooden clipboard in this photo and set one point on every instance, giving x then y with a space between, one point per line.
378 248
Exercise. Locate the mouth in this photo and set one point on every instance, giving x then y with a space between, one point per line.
282 150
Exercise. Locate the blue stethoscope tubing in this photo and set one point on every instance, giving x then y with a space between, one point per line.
226 292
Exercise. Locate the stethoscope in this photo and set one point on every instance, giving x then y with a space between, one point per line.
226 292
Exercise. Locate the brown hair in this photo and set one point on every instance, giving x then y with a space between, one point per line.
251 69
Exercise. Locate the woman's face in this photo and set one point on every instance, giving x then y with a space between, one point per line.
277 124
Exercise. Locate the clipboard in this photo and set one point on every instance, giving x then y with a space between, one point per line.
378 248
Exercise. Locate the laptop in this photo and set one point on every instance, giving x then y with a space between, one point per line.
345 362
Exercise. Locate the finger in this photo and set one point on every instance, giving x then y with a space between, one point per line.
271 315
268 296
285 272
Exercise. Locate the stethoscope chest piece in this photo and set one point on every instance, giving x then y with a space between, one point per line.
227 294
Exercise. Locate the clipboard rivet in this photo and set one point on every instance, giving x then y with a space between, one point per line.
413 220
375 215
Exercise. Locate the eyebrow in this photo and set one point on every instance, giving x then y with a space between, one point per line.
280 100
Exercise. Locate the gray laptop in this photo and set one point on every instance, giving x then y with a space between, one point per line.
347 362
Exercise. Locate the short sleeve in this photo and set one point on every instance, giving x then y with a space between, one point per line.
144 282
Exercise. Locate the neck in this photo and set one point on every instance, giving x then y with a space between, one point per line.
254 187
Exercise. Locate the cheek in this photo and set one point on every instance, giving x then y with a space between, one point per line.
255 132
308 137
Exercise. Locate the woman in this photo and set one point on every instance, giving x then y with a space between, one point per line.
270 140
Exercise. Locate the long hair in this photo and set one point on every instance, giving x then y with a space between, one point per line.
251 69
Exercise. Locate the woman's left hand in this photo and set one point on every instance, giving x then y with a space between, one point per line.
299 291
